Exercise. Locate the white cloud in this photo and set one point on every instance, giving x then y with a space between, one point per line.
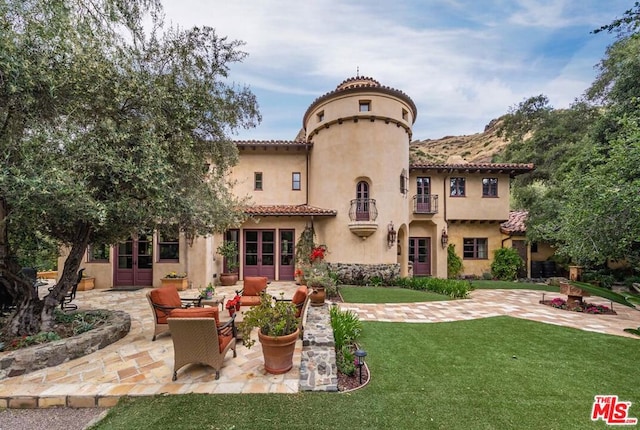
462 63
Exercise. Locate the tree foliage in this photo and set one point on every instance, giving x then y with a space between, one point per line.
583 196
106 129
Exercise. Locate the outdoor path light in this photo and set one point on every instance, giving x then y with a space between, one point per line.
360 355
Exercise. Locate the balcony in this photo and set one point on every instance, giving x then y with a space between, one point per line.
425 204
363 214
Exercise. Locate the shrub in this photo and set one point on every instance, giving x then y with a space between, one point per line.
346 331
506 263
454 288
454 262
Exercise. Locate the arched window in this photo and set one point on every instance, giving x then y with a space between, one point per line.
362 201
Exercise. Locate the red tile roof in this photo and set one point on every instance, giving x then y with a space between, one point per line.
288 210
512 169
516 223
359 84
272 143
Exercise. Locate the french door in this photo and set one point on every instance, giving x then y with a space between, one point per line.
134 261
420 255
423 198
260 253
362 201
287 257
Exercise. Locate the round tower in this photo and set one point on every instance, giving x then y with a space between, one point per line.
359 165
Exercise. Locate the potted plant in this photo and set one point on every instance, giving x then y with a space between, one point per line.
233 305
175 279
278 330
229 250
317 276
207 292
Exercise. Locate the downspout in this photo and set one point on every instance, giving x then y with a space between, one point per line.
306 197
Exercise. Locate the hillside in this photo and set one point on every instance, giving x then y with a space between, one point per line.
477 148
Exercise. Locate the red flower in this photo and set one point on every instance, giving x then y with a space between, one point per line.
317 253
232 303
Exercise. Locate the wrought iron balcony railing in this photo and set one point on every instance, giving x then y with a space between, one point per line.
363 210
425 204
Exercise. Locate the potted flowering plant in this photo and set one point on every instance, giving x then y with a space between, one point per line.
318 279
175 279
208 291
233 305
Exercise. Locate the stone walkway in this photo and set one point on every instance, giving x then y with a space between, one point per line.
136 366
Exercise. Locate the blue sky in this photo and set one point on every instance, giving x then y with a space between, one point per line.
463 62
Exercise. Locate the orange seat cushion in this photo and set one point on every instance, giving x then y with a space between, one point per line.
254 285
223 341
249 300
196 313
167 297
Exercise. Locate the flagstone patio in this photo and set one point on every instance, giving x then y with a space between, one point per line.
136 366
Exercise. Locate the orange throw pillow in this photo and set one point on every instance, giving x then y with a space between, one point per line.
298 298
300 295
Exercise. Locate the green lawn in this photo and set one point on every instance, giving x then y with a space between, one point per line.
388 295
495 373
507 285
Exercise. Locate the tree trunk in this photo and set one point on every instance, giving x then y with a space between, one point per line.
69 274
26 318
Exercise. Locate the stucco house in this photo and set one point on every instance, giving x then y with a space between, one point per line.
348 175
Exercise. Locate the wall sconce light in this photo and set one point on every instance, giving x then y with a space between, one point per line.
391 235
359 361
444 239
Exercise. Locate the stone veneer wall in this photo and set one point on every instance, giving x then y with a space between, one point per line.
362 274
318 369
26 360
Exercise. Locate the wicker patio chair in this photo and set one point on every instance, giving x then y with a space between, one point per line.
200 340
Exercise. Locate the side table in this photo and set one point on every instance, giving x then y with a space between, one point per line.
213 301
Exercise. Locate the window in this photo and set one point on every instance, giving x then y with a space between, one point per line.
405 115
99 253
365 105
475 248
489 187
295 180
168 244
457 187
257 181
320 116
404 182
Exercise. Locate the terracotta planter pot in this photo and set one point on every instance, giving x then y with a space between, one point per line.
278 352
227 279
317 296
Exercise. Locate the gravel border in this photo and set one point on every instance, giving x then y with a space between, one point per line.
50 418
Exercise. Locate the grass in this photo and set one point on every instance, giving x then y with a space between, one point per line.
508 285
494 373
388 295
